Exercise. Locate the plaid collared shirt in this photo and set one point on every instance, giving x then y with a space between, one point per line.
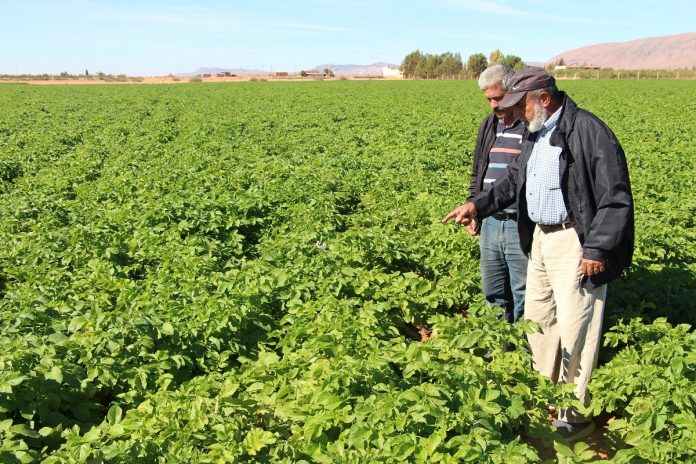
543 191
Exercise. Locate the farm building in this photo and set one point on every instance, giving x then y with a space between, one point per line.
392 72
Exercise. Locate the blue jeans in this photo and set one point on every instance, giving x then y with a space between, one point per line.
503 267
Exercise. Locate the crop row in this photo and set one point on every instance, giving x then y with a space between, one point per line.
220 272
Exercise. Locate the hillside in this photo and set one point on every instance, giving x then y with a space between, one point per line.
666 52
213 71
357 70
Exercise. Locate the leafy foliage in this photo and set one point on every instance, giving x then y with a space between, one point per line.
652 383
234 273
426 65
362 395
476 64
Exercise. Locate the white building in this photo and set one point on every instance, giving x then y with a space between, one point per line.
392 72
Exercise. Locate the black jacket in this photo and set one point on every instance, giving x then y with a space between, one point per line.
596 191
484 143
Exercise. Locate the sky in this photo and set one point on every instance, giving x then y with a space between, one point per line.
152 37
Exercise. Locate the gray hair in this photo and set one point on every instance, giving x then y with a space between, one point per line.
498 74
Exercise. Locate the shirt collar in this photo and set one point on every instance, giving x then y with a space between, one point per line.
550 123
514 124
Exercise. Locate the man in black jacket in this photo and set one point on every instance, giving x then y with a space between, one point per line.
499 142
575 207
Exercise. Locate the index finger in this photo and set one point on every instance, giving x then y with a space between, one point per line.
449 216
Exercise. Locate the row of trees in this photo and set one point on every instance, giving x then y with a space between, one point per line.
426 66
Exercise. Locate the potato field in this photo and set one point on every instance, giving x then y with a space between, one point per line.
257 272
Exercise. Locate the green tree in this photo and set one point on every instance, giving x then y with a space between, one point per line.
495 57
514 61
428 65
411 62
451 64
432 65
476 64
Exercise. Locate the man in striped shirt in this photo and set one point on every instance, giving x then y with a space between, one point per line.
503 264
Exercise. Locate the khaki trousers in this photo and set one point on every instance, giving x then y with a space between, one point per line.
570 316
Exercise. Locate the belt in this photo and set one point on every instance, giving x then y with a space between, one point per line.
505 216
548 228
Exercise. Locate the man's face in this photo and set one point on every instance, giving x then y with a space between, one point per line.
530 110
494 94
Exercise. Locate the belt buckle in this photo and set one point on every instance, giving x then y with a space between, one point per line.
548 228
504 216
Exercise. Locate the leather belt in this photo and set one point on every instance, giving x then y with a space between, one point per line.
505 216
548 228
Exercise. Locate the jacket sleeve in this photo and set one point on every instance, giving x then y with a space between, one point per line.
478 153
611 191
502 193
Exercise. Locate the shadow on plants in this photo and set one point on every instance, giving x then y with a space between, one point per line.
669 292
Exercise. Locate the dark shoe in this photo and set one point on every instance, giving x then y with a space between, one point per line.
572 432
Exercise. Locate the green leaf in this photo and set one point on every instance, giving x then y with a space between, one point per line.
25 457
113 416
401 446
11 380
23 429
55 374
582 451
5 425
228 389
431 443
563 451
257 439
358 436
92 435
167 329
516 408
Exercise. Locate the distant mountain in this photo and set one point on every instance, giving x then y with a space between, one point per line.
213 71
357 70
666 52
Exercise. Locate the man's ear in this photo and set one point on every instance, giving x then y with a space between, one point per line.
545 98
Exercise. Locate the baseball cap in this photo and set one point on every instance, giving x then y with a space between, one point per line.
524 80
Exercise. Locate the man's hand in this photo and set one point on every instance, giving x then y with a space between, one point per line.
471 227
463 214
591 267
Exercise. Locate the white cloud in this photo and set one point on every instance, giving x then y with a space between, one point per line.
484 6
537 11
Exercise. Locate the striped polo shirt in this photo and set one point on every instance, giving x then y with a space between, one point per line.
507 145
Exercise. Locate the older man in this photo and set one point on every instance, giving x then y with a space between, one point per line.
499 142
575 208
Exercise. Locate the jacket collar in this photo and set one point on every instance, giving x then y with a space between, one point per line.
568 114
565 123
